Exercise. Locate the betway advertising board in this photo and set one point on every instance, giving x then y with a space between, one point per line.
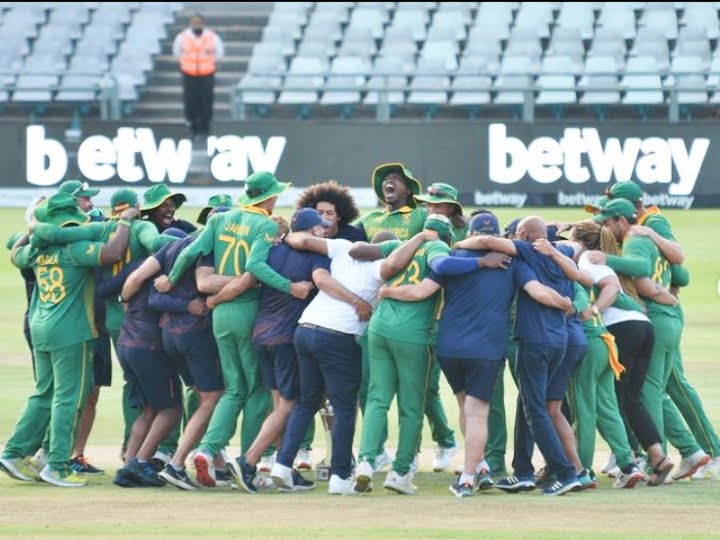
509 164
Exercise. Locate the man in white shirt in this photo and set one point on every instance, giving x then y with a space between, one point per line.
329 357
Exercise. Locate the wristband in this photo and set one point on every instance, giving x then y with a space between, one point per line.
124 222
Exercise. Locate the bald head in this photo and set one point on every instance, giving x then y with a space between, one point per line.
531 228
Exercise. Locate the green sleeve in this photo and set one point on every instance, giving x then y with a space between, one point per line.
388 246
85 254
581 299
436 249
661 226
257 259
627 303
149 237
635 260
680 276
203 245
21 256
14 237
44 234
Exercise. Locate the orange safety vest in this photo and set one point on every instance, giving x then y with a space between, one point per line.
197 55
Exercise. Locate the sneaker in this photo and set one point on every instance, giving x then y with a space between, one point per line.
144 473
363 477
383 461
266 463
83 467
515 484
205 473
443 457
609 466
338 486
17 468
586 479
690 465
38 461
263 482
400 483
282 476
56 479
484 480
660 473
709 471
303 462
244 474
461 490
544 478
628 477
179 479
299 483
159 461
124 479
561 488
415 465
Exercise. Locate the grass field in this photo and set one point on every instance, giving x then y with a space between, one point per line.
684 510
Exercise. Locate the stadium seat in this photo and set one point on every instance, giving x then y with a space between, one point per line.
642 81
619 16
259 90
431 83
662 22
346 80
688 72
599 82
444 51
703 16
516 74
470 90
369 18
556 82
536 16
388 72
449 24
494 17
304 75
578 16
649 43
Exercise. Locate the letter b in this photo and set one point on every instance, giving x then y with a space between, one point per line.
37 148
499 148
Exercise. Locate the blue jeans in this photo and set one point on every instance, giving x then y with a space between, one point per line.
329 362
536 366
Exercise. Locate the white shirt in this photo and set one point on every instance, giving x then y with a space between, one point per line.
611 315
177 44
359 277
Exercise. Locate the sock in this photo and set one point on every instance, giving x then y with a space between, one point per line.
466 478
178 468
141 461
482 465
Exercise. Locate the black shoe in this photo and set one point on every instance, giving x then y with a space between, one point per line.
223 478
124 479
144 474
461 490
179 479
244 474
299 483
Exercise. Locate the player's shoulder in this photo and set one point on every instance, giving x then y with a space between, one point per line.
373 214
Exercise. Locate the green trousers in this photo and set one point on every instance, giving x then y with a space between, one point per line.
592 400
442 433
363 394
64 381
398 368
497 423
244 392
661 408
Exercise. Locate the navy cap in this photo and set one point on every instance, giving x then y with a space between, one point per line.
484 223
306 218
512 226
552 234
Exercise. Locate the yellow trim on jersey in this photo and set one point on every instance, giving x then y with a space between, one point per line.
649 211
255 210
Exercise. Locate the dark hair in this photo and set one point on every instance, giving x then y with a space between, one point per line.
482 211
333 193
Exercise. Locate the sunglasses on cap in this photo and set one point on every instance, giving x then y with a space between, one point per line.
82 187
435 192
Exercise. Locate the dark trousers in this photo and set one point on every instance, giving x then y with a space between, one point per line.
635 341
536 367
327 362
198 96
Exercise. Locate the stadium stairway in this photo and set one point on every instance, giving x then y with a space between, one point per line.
239 24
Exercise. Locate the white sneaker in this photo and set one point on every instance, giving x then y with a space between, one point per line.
363 477
72 480
690 465
610 465
415 465
38 461
303 461
281 476
263 482
400 484
338 486
383 461
709 471
266 463
443 457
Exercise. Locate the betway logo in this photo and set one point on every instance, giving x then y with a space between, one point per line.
546 160
101 158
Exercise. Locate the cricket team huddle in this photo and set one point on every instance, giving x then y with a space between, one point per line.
333 311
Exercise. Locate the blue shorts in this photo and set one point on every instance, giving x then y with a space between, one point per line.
474 376
196 358
152 379
102 361
279 369
557 385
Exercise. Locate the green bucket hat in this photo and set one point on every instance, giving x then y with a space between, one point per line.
381 171
628 190
261 186
220 199
76 188
123 199
60 209
616 208
594 208
438 193
158 194
439 224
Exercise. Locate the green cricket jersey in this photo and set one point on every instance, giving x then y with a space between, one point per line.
594 326
240 241
405 222
459 233
63 313
410 322
659 223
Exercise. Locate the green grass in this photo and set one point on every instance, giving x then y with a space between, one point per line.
686 510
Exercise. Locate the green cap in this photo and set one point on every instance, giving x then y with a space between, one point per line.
594 208
616 208
439 224
14 237
60 209
220 199
261 186
76 188
629 191
438 193
158 194
122 199
381 171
